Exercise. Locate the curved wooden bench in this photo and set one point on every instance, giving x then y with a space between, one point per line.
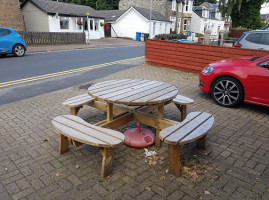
193 128
76 131
77 102
181 102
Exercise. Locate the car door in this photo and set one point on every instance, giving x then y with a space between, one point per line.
6 42
260 84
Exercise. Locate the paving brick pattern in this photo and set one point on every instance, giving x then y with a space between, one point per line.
233 166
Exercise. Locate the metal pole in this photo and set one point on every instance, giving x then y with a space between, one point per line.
150 13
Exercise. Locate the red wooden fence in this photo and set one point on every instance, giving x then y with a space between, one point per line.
236 33
191 57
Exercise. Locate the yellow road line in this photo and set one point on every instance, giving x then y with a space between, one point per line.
57 74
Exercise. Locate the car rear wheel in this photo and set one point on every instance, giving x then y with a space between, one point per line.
227 92
18 50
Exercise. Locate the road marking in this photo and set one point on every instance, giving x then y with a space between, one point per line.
57 74
88 48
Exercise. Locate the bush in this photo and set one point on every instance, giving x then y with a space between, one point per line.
199 35
240 28
170 36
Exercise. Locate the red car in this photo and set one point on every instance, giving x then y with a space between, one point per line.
235 80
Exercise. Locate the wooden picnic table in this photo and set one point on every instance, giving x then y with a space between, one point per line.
145 95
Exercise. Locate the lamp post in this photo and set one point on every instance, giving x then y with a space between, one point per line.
150 13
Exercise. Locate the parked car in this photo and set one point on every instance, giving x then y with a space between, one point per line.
258 39
232 81
11 42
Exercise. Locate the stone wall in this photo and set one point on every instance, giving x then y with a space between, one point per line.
10 15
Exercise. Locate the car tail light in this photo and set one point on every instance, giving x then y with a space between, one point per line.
237 45
21 37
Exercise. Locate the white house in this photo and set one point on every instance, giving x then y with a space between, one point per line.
206 18
126 23
53 16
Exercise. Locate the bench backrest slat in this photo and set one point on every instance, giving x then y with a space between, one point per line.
78 100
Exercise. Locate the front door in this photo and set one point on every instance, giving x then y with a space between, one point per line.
107 29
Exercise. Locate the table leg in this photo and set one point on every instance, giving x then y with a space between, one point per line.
107 160
159 117
183 111
109 112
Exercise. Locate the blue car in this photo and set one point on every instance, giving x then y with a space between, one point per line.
11 42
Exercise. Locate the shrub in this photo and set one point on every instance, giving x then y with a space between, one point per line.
170 36
199 35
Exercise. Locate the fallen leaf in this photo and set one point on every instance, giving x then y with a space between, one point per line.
160 188
77 166
161 162
58 174
148 189
194 175
162 158
47 139
154 162
207 192
162 178
166 171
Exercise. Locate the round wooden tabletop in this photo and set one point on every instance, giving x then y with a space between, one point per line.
133 92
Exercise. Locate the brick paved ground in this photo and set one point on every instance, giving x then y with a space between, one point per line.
234 165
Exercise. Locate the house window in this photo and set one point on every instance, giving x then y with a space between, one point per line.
91 24
180 7
86 25
96 24
154 26
187 6
174 3
185 26
173 20
64 23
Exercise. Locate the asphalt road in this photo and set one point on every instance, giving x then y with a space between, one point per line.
39 73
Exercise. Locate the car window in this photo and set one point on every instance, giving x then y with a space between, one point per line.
263 63
4 32
264 39
255 38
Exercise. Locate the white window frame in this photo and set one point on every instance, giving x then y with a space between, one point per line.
185 25
68 24
187 7
178 25
174 5
180 7
173 25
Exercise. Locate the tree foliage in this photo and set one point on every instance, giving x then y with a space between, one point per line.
244 13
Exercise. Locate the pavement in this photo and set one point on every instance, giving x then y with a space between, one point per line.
235 164
104 42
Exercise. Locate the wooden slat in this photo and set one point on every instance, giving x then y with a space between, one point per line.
78 100
182 100
77 129
154 95
103 85
125 92
118 88
192 130
138 90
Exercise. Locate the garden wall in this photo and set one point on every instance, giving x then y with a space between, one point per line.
191 57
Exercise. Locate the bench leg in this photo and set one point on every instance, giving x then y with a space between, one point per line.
107 154
174 159
201 143
74 111
63 144
183 111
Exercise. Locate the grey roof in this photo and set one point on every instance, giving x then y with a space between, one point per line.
199 9
68 9
113 15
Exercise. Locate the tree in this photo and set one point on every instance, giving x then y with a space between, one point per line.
245 13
